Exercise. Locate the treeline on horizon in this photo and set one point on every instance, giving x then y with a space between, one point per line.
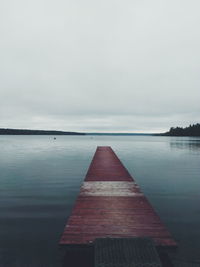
192 130
36 132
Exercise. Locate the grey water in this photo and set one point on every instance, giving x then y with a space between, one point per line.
40 178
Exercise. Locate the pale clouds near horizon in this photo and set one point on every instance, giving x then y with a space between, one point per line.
99 65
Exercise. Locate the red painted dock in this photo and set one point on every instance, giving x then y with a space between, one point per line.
110 204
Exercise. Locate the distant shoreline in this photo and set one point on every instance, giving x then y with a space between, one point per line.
4 131
9 131
192 130
120 134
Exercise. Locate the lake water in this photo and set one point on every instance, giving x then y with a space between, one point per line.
40 179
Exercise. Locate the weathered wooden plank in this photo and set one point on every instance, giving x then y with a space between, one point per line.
111 204
106 166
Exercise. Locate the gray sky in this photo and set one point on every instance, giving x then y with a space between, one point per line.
108 65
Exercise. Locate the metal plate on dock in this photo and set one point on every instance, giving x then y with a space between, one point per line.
126 252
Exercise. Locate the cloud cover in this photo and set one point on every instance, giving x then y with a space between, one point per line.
105 65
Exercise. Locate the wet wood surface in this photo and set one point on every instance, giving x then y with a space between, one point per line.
111 204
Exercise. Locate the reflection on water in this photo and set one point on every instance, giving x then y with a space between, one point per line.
192 145
40 178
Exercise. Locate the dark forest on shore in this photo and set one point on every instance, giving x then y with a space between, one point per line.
192 130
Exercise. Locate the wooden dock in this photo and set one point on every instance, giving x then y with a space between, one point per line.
111 204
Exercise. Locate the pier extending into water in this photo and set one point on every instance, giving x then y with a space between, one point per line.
111 205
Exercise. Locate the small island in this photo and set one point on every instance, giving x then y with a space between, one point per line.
35 132
192 130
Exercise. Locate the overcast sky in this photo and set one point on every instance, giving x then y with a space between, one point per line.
107 65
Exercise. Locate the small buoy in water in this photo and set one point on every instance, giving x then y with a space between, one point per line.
54 138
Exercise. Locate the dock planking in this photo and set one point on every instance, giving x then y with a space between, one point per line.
111 204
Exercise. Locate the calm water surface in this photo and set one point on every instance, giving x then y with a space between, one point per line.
40 179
